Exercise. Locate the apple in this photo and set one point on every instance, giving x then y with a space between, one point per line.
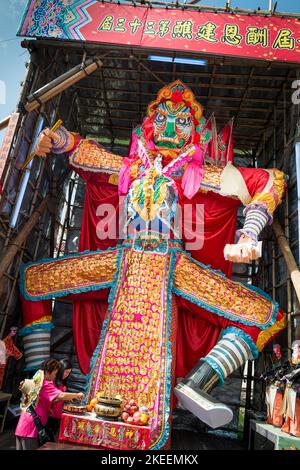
136 421
127 407
137 415
132 402
133 409
125 416
129 420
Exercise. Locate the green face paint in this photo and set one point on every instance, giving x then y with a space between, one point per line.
172 128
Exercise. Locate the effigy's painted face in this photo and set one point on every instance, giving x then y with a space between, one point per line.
172 126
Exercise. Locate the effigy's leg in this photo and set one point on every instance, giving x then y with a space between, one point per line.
134 356
250 319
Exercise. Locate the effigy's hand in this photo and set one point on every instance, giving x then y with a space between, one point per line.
245 251
45 142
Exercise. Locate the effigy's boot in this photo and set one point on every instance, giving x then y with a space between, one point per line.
230 353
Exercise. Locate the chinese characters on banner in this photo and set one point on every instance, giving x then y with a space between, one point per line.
250 36
7 141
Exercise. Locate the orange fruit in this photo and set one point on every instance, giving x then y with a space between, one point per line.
93 402
144 418
89 408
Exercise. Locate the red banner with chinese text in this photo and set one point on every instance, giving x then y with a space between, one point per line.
260 37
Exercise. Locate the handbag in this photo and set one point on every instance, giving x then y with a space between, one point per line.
43 436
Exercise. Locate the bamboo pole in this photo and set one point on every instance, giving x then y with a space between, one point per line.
59 85
288 279
20 239
288 256
4 122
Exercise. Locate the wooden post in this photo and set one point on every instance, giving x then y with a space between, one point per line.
288 256
20 239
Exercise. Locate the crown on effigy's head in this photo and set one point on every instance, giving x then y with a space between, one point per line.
177 96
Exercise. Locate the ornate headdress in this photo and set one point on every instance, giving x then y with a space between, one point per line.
177 95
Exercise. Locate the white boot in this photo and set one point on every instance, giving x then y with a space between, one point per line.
230 353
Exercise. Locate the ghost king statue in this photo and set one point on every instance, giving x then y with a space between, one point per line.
170 308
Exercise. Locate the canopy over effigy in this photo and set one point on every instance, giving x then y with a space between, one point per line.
265 37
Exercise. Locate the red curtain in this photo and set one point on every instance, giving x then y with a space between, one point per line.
88 314
197 331
33 311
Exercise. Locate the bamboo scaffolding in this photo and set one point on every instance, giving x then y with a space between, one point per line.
288 256
4 122
220 98
195 86
107 68
114 106
20 239
76 48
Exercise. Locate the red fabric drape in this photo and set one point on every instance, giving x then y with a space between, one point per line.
88 314
33 311
196 335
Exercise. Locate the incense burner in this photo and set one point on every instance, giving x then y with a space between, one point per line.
109 408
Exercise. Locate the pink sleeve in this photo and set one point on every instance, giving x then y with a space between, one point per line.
51 391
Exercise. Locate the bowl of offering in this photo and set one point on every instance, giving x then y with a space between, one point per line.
74 407
109 408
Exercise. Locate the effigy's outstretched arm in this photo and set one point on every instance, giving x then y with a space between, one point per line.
68 275
73 276
84 154
246 307
266 189
249 318
260 191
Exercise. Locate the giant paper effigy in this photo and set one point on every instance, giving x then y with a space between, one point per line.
163 299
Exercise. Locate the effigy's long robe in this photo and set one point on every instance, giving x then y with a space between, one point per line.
136 348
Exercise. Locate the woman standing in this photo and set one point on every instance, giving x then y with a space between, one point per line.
39 393
53 423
